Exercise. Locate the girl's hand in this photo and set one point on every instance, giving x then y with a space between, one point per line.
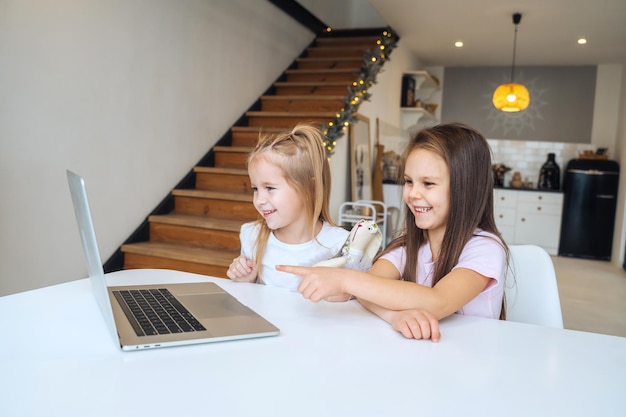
339 298
242 269
416 324
318 283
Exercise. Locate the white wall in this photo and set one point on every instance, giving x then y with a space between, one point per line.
619 239
345 13
606 107
128 93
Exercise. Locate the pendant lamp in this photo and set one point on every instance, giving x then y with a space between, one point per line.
512 97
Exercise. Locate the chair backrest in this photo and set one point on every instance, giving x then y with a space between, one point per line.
532 294
351 212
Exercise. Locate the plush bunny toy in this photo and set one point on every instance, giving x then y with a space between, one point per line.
359 249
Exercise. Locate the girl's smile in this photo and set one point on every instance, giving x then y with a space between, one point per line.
421 209
267 213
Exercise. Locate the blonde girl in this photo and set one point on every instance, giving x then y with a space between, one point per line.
290 178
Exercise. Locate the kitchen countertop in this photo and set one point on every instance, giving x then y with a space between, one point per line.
528 189
387 182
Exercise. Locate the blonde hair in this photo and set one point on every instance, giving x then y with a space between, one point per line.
301 156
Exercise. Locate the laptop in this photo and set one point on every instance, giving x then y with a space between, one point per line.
194 312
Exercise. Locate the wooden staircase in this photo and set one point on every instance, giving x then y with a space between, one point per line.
200 233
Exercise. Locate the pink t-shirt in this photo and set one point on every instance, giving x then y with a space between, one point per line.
483 254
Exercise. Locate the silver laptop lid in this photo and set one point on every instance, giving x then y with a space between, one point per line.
90 247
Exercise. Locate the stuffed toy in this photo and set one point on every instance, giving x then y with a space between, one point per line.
359 249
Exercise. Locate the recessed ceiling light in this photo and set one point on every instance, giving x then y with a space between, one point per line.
582 41
458 44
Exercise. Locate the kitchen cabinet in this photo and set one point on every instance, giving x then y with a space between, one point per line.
505 203
413 118
529 217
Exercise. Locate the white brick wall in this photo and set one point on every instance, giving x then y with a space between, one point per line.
527 157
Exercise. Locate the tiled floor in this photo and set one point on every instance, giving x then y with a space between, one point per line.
593 295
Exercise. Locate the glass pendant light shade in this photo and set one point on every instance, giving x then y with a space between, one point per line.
511 97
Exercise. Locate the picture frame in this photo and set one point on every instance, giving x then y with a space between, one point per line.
360 159
407 98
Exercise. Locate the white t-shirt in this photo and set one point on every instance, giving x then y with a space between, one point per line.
327 244
483 254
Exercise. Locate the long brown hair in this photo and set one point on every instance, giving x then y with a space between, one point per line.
301 156
468 157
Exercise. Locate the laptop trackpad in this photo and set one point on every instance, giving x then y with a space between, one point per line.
206 306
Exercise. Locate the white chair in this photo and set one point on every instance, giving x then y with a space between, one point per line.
531 291
351 212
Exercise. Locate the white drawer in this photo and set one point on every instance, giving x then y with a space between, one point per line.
539 208
504 216
505 198
540 197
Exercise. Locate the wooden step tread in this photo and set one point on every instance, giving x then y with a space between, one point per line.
215 195
201 222
325 58
219 170
290 114
331 39
347 47
303 97
187 253
257 129
309 83
321 71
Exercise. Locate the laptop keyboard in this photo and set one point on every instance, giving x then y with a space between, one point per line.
156 311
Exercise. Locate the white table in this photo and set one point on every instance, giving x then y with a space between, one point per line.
331 359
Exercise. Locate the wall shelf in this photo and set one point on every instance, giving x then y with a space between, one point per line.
415 118
425 84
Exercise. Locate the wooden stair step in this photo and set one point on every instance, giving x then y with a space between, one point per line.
303 97
218 170
249 135
320 71
231 156
201 222
348 40
288 119
222 179
336 74
329 62
314 88
215 195
339 51
214 204
196 230
302 103
187 258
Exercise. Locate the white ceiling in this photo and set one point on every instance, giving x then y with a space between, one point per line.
546 35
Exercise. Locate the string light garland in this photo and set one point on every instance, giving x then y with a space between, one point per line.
373 61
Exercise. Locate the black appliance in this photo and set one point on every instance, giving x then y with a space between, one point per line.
589 203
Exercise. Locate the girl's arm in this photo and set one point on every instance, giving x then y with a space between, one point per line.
412 324
450 294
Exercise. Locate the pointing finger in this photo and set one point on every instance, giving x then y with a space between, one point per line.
296 270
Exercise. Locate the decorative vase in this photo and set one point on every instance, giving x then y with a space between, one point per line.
549 175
